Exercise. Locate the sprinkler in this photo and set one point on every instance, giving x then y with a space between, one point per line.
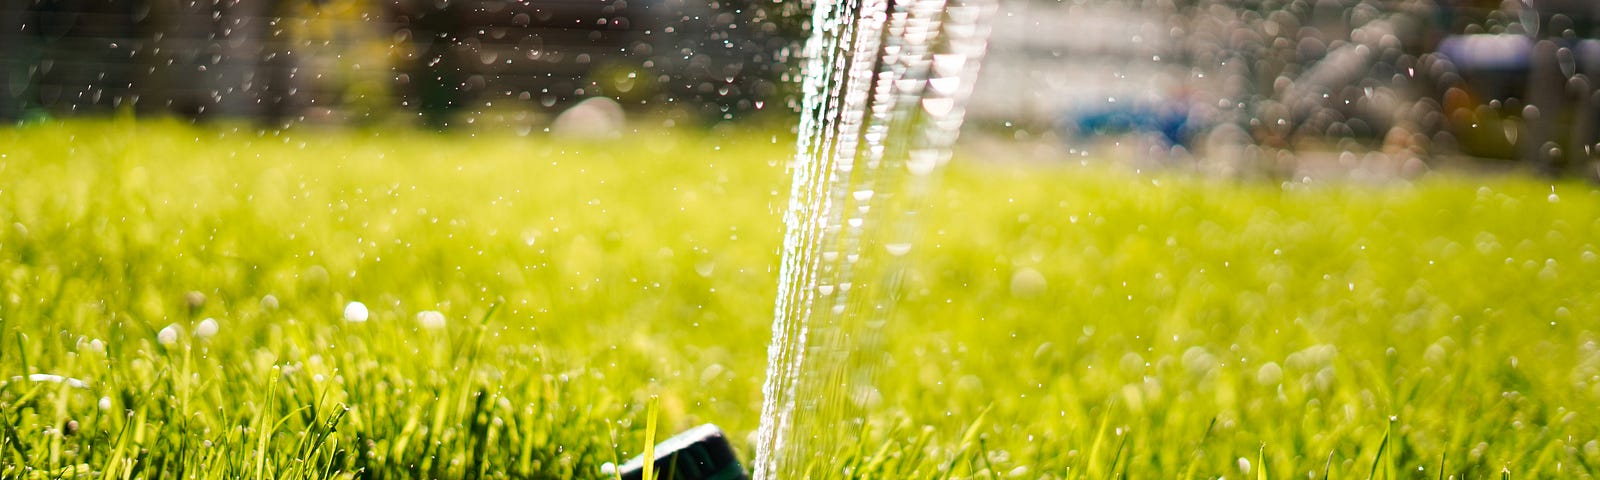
699 453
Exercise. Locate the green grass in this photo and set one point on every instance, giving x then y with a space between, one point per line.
1184 327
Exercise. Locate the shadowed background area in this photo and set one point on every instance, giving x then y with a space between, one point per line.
337 61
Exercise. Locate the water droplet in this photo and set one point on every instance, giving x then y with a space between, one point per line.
945 85
922 162
431 319
168 336
206 329
1027 282
938 107
355 312
898 249
948 64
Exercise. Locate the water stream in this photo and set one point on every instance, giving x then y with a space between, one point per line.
886 85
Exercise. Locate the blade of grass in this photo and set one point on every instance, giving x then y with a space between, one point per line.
1261 463
1378 460
651 411
1094 470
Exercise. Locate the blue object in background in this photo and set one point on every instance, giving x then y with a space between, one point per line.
1169 118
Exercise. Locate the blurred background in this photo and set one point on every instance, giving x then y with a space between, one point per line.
1251 87
440 63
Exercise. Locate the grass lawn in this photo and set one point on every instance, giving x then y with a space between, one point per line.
1110 323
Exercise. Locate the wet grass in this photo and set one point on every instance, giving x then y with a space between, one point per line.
1058 321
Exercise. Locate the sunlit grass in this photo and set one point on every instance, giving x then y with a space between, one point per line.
1059 321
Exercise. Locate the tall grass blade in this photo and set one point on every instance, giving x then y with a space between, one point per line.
651 412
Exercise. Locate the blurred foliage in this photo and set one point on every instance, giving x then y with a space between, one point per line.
361 61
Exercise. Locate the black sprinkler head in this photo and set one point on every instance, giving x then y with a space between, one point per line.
700 453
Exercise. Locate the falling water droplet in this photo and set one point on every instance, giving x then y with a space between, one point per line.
938 107
898 249
922 162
